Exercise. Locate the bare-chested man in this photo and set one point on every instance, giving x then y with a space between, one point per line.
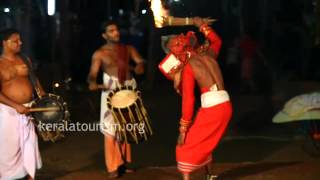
19 151
200 134
113 59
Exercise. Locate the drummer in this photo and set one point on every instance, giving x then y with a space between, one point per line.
19 151
113 58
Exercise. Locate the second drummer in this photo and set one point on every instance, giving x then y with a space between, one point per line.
113 58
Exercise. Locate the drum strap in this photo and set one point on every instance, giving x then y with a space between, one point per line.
32 76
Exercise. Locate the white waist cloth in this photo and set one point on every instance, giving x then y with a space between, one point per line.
212 98
107 124
19 153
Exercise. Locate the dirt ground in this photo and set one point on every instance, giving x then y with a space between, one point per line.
252 149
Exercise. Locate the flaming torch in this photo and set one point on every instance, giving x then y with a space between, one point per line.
163 18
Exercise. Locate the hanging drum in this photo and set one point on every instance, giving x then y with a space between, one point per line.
50 113
130 115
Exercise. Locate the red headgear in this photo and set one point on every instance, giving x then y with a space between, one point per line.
177 45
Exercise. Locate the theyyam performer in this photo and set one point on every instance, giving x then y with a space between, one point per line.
189 65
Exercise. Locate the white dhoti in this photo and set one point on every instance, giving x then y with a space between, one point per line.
19 152
107 124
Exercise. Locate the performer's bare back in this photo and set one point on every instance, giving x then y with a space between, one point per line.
206 71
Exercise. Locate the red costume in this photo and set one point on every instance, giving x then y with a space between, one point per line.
215 112
208 126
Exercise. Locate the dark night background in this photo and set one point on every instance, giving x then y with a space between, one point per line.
286 31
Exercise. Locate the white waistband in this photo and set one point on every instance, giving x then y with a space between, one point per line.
107 77
9 107
213 98
113 82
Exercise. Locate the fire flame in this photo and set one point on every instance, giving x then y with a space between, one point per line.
159 13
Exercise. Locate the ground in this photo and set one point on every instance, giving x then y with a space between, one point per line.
252 148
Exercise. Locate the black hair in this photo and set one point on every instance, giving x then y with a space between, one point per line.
6 33
107 23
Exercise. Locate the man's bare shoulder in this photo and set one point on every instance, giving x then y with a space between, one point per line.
194 60
102 52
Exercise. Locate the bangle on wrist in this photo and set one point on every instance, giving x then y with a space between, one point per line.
205 29
184 125
203 26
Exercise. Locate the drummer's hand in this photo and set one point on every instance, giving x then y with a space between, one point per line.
139 69
21 109
103 87
42 93
198 21
181 138
93 86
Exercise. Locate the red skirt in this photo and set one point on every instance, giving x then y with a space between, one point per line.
203 137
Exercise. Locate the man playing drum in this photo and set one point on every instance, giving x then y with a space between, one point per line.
19 151
113 58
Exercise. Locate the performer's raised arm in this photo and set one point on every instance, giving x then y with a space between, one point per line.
214 40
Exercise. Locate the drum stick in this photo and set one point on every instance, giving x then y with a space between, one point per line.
211 20
102 86
44 109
